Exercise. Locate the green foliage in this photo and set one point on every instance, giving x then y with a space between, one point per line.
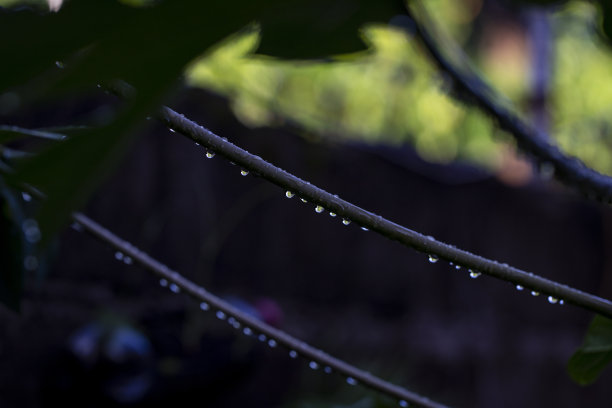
88 43
595 353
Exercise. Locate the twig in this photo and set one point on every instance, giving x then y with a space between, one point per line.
391 230
569 170
254 325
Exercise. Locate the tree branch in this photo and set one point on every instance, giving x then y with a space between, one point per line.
569 170
391 230
322 359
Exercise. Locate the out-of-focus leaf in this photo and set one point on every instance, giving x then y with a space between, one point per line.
301 29
595 354
9 133
11 250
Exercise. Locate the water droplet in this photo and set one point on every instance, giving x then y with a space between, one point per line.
30 263
31 230
236 324
328 370
403 403
433 258
26 196
210 154
364 229
314 365
289 194
59 64
319 209
304 200
345 221
247 331
174 288
351 381
220 315
473 274
332 214
293 354
172 130
244 173
119 255
127 260
231 320
163 283
534 293
552 300
519 287
457 267
272 343
204 306
262 337
561 301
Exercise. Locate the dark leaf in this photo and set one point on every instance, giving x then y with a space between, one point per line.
595 353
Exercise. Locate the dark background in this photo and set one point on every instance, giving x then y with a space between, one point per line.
464 342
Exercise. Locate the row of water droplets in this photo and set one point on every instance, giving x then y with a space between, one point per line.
261 337
475 274
319 209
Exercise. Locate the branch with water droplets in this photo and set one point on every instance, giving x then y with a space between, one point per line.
275 336
348 211
568 170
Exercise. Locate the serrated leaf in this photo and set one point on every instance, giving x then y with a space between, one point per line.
595 354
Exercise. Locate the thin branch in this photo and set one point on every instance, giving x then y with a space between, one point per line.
391 230
251 325
569 170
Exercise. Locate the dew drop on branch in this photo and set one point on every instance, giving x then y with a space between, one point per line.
313 365
247 331
327 370
534 293
289 194
220 315
351 381
519 287
26 197
304 200
552 300
473 274
204 306
457 267
332 214
171 130
119 256
210 154
345 221
364 229
293 354
127 260
433 258
244 173
174 288
319 209
403 403
163 283
272 343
